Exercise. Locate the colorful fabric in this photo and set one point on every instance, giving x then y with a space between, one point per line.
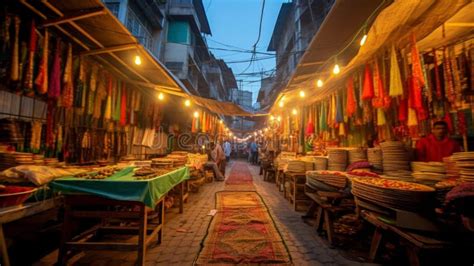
382 100
55 77
368 87
351 102
41 81
396 84
68 89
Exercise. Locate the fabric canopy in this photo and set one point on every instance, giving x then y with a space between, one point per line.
393 26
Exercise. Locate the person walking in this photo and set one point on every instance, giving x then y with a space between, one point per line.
254 152
227 150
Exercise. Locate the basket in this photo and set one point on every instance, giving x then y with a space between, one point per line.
15 195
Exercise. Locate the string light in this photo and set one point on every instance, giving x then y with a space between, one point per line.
281 104
196 114
187 103
319 83
336 70
362 41
302 94
294 111
138 60
161 96
220 121
272 117
279 118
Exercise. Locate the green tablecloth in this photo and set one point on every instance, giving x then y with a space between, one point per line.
123 186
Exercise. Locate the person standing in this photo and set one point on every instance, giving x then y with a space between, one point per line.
437 145
213 162
254 152
227 150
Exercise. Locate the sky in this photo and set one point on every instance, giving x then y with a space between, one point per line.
235 26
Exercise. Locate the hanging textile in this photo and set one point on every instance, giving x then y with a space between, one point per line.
101 93
351 103
403 110
339 113
123 106
78 92
55 76
323 120
68 87
35 143
368 87
41 81
108 104
28 82
412 120
437 77
51 110
310 126
118 100
382 100
15 68
416 70
396 85
381 121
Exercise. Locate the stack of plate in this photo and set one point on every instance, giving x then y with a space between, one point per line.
428 171
38 159
320 162
374 156
23 158
395 156
178 160
336 179
296 166
465 164
161 163
337 159
51 162
357 155
401 175
393 193
452 171
142 163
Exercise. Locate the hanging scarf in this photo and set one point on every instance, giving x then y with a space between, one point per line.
28 82
310 125
123 106
41 80
448 78
403 110
382 100
437 78
55 77
68 87
381 121
396 85
14 75
368 87
78 92
101 92
108 105
323 121
351 103
339 114
118 99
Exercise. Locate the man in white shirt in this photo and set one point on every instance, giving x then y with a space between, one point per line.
227 150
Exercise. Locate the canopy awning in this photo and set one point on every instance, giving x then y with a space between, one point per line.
102 36
393 26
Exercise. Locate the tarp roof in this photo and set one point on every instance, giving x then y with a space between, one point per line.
100 34
393 26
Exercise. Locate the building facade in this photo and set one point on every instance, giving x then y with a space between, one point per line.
294 29
174 32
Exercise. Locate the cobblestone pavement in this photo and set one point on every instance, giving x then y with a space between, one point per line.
183 233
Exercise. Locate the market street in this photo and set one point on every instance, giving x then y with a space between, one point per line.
185 232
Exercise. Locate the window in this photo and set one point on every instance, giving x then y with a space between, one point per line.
179 32
141 30
114 7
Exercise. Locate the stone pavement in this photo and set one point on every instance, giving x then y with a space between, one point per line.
183 233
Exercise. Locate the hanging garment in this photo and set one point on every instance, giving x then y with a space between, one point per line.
310 126
382 100
416 67
35 143
339 113
396 85
123 106
351 103
118 100
368 87
381 121
41 81
15 68
108 105
403 110
68 87
28 82
448 78
437 77
55 76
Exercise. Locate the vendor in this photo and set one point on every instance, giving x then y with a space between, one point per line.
437 145
214 159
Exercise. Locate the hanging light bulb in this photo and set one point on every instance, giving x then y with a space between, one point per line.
266 129
161 96
294 111
279 118
336 69
220 121
362 41
196 114
302 94
230 134
187 103
319 83
281 104
272 117
138 60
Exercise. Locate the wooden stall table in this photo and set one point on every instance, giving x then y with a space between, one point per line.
122 204
296 194
13 213
414 243
326 210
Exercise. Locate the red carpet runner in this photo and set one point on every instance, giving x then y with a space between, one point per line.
242 231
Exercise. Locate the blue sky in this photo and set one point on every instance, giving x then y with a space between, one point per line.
235 24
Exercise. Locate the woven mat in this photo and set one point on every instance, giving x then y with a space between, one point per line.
242 232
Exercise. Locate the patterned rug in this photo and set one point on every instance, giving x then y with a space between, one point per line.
242 231
240 178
